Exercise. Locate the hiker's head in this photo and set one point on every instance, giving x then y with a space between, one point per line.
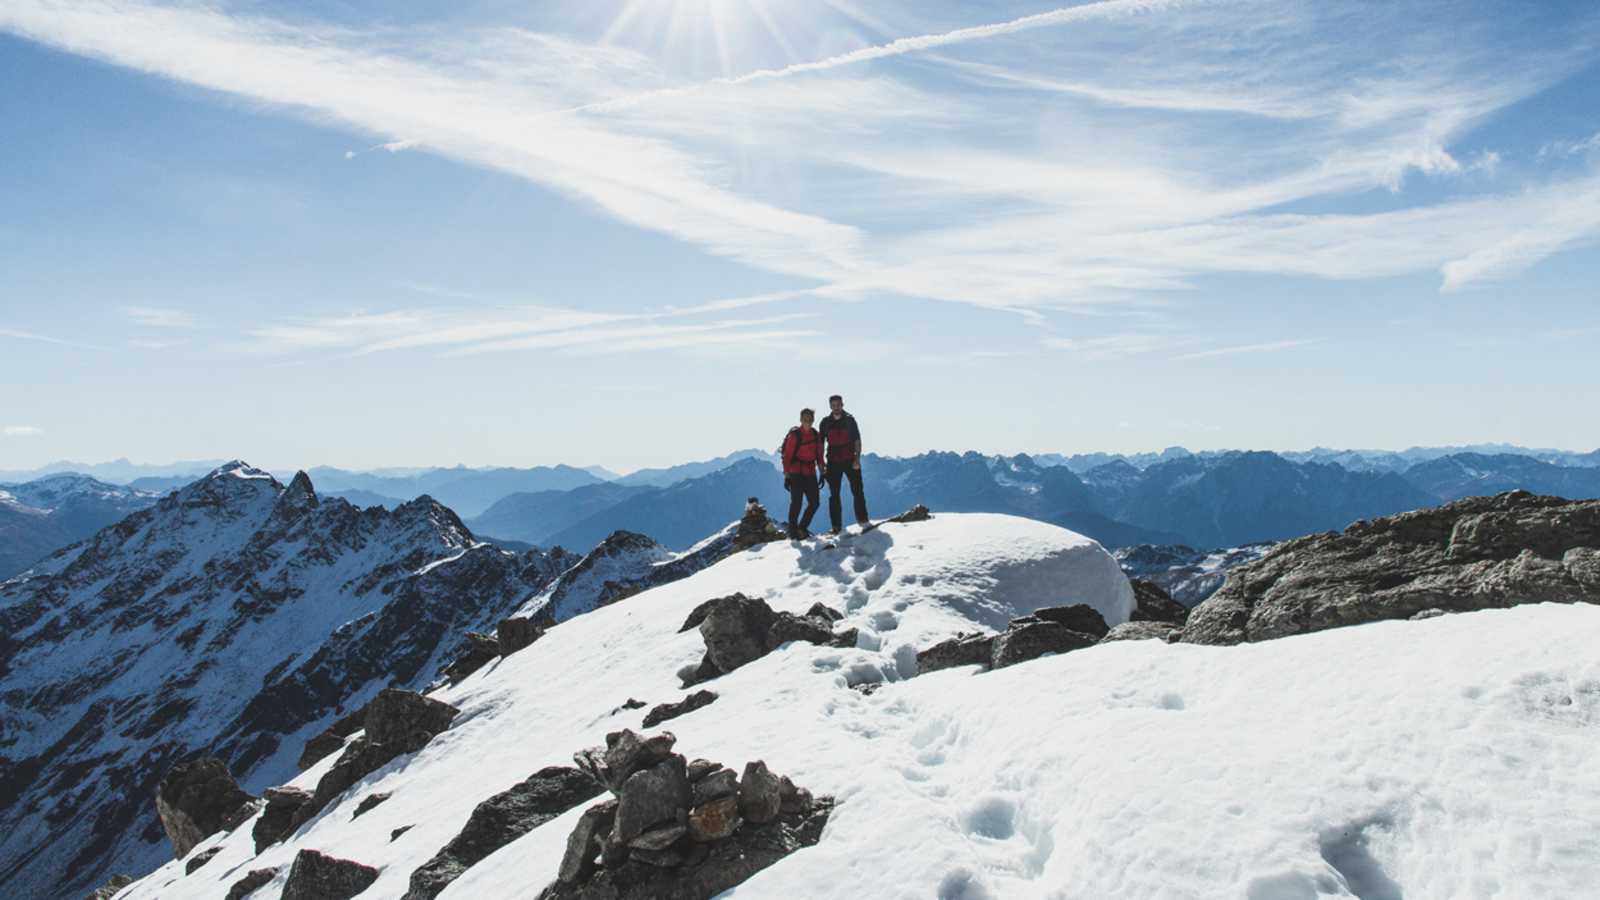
807 416
836 403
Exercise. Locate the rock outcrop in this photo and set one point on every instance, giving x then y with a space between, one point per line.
276 821
476 651
516 633
197 799
1152 603
253 881
665 711
317 876
1050 629
738 630
500 820
1478 553
678 830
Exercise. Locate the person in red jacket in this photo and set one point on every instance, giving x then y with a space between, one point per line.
843 439
802 455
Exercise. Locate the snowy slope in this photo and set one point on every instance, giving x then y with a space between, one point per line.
234 617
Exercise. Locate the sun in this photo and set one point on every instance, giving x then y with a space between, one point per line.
723 38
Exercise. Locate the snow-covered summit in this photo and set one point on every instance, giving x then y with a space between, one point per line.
1344 764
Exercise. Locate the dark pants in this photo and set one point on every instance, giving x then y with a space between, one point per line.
837 470
803 487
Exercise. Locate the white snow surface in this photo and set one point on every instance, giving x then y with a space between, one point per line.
1450 757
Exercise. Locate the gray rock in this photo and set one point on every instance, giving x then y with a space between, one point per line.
1477 553
1031 640
583 845
626 752
689 704
788 627
406 719
195 799
650 797
700 768
500 820
659 837
277 819
111 888
735 631
332 740
1143 631
317 876
918 513
395 834
516 634
820 610
715 819
966 650
721 783
477 650
250 883
1078 617
369 804
1152 603
200 859
760 798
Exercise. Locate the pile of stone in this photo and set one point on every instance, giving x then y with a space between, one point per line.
679 829
738 629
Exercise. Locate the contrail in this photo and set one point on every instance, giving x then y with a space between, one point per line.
1105 9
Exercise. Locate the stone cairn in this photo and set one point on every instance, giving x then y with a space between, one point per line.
678 828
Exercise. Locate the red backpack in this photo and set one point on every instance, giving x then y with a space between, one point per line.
794 465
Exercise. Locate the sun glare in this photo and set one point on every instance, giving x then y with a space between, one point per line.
728 37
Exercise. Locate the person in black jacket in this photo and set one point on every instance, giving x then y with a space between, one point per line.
802 455
843 439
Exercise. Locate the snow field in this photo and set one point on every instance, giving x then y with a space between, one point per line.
1451 757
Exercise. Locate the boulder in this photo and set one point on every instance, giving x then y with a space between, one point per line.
583 845
1152 603
406 720
651 797
962 650
277 819
111 888
332 740
516 633
500 820
477 650
788 627
689 704
918 513
367 805
715 819
317 876
760 798
250 883
820 610
1031 640
735 631
1143 631
194 801
1078 617
1476 553
199 859
721 783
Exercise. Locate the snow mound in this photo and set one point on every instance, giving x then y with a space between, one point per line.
1346 763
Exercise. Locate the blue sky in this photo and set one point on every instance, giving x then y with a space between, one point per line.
632 232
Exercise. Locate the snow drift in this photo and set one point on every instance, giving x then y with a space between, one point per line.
1446 757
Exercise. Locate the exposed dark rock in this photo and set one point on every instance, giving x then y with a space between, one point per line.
517 633
1078 617
788 627
395 834
845 638
760 797
820 610
200 859
630 703
583 845
689 704
1152 603
966 650
735 631
111 888
1478 553
317 876
918 513
755 527
500 820
477 650
626 752
242 814
1032 640
332 740
250 883
277 820
1143 631
718 784
370 803
195 799
700 768
406 719
650 797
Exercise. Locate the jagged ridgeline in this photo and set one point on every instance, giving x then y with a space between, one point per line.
236 618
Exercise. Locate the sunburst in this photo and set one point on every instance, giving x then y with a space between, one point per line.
726 37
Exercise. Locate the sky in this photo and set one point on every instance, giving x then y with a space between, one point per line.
636 232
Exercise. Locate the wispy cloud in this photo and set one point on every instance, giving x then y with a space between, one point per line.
46 339
1118 346
1269 347
23 431
160 318
1591 144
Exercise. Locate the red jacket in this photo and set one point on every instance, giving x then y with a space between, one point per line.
801 451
